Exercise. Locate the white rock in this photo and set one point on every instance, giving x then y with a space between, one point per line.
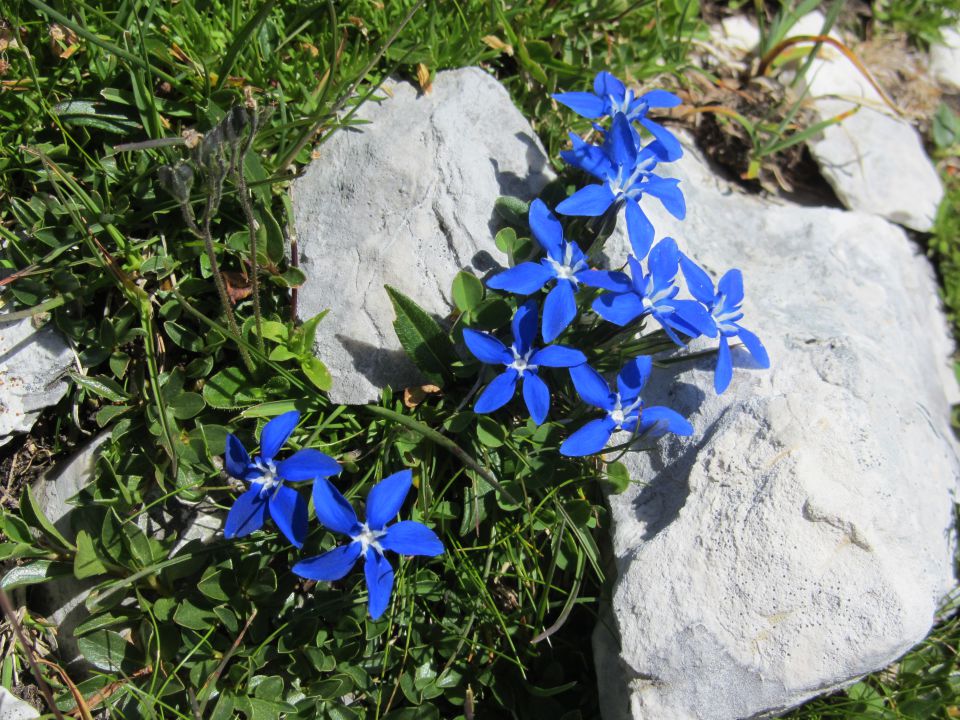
13 708
408 201
31 365
802 537
736 34
945 59
874 160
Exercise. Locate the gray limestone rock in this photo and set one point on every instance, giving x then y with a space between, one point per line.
13 708
32 362
407 201
945 59
803 536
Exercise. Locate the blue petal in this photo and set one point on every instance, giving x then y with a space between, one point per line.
606 84
498 393
237 459
307 464
756 348
536 395
524 326
558 356
289 511
633 376
332 508
672 149
546 229
660 98
486 348
656 421
639 229
724 372
591 386
247 515
331 565
379 582
589 201
591 438
619 309
410 537
386 497
276 432
589 158
667 189
559 310
692 318
525 278
620 142
698 282
663 262
584 104
731 287
611 280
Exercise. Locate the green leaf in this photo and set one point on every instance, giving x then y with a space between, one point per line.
290 278
15 528
422 338
467 291
489 431
193 617
218 583
231 388
316 372
97 115
102 386
305 336
618 476
38 571
512 209
107 650
187 405
505 240
86 563
34 517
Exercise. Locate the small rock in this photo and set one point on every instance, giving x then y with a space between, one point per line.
13 708
945 60
873 159
407 200
32 362
803 536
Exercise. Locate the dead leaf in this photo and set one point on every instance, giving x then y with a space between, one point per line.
423 77
63 41
413 396
492 41
238 286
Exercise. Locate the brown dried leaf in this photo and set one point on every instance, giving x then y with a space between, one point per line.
495 43
238 286
413 396
423 77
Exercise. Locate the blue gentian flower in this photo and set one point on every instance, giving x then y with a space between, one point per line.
626 173
610 96
723 303
268 496
370 539
564 262
522 363
624 409
654 293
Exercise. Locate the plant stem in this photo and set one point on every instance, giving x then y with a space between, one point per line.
251 225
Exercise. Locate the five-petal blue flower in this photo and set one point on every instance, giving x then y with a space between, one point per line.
522 363
268 496
369 539
624 409
655 293
626 173
611 96
723 303
564 262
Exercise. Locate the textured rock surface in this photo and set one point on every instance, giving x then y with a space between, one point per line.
945 60
31 363
803 536
874 161
13 708
406 201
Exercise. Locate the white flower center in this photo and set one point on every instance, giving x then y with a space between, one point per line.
621 106
726 317
521 363
369 539
269 480
621 414
568 269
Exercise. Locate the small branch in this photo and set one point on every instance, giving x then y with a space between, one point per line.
215 675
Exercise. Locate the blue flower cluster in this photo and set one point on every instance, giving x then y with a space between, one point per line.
624 167
268 496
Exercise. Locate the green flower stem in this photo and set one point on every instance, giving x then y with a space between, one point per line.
445 442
